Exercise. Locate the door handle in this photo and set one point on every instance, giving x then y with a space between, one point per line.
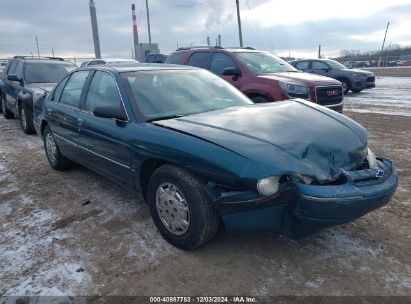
81 122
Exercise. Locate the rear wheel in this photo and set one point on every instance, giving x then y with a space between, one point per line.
56 160
180 207
6 112
26 119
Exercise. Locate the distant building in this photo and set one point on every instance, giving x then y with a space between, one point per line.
144 49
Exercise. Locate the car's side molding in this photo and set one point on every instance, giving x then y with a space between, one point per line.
92 152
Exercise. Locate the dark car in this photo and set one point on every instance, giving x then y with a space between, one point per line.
351 79
262 76
202 154
26 79
156 58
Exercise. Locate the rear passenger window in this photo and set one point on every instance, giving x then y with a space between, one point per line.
176 58
303 65
220 62
72 91
103 92
200 60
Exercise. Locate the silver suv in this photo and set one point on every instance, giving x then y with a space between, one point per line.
351 79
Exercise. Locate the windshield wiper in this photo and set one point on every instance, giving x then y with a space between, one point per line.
165 117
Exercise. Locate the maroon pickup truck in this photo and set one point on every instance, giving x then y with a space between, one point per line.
262 76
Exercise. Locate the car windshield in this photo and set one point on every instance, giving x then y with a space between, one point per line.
163 94
263 63
46 72
335 65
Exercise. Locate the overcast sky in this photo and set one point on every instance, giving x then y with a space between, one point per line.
281 26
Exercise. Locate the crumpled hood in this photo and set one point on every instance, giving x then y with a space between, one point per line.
288 137
306 78
46 87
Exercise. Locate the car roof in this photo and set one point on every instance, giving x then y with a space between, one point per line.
121 68
214 49
41 59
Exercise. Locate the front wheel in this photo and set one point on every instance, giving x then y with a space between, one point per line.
26 119
346 85
56 160
180 207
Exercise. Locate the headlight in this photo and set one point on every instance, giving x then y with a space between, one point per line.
268 185
372 161
358 74
295 90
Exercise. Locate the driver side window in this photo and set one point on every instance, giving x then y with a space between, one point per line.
318 65
220 62
103 92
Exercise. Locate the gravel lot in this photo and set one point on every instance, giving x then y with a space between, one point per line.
75 233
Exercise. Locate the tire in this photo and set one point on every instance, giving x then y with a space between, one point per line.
174 193
56 160
259 99
356 91
6 112
346 85
26 119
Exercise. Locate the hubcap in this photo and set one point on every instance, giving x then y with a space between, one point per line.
172 208
51 148
23 118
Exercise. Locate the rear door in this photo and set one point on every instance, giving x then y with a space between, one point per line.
62 113
105 143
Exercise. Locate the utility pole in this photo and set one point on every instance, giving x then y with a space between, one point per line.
382 48
94 28
219 40
148 25
319 51
240 34
52 51
208 40
135 33
37 43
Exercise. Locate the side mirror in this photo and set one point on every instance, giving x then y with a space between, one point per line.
110 112
13 77
326 70
231 72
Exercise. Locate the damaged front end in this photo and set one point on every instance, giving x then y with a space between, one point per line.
300 205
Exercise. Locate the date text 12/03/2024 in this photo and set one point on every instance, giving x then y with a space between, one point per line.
203 299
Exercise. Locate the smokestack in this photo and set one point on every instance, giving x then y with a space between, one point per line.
208 40
135 32
94 27
219 40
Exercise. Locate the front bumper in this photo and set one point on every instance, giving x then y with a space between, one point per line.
300 210
363 83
